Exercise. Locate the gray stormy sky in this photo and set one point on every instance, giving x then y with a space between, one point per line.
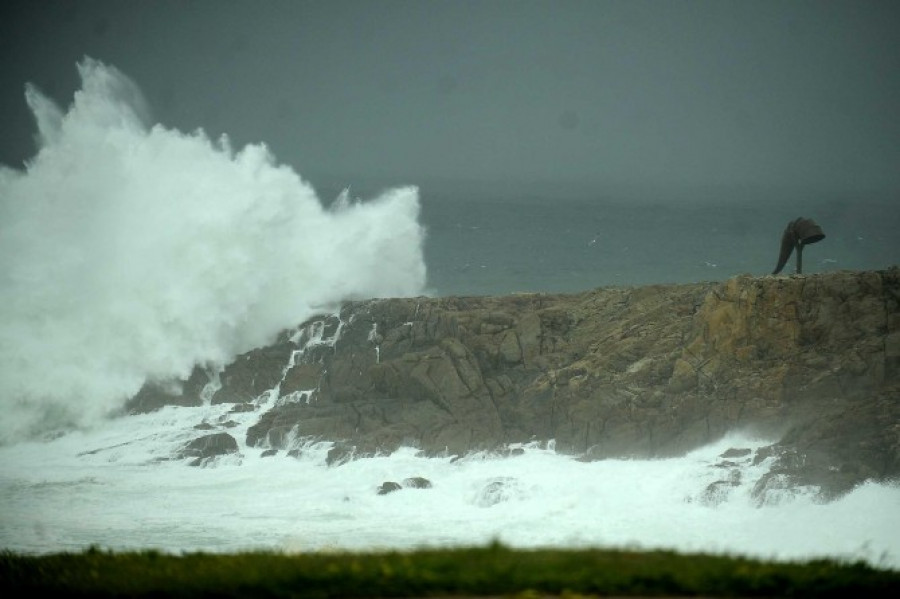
595 95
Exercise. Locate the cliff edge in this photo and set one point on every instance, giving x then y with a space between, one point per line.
655 371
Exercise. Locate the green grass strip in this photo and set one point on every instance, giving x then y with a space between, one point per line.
482 571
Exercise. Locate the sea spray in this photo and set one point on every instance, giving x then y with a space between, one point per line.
118 487
101 487
131 252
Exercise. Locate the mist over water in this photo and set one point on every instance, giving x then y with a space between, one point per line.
131 252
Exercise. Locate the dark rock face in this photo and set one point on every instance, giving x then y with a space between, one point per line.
153 396
842 448
253 373
206 448
631 372
341 453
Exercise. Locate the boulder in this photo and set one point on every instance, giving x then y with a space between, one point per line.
417 482
208 447
498 490
388 487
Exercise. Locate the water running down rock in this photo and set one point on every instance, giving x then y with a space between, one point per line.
640 372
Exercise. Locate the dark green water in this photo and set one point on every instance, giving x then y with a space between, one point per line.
487 246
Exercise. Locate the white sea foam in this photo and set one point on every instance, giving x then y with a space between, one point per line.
116 488
131 252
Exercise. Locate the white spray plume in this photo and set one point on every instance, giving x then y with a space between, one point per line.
131 253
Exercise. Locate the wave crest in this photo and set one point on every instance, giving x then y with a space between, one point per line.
131 253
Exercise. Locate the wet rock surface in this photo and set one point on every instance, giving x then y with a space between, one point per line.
614 372
206 448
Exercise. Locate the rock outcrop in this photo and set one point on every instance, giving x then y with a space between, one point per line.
206 448
613 372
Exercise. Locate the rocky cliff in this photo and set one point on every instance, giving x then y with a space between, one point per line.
613 372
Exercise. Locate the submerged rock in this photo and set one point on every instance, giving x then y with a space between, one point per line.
736 453
417 482
388 487
498 490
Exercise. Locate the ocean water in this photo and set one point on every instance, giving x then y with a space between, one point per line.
497 244
131 252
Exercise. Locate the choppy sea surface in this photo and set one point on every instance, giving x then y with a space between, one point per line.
130 252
